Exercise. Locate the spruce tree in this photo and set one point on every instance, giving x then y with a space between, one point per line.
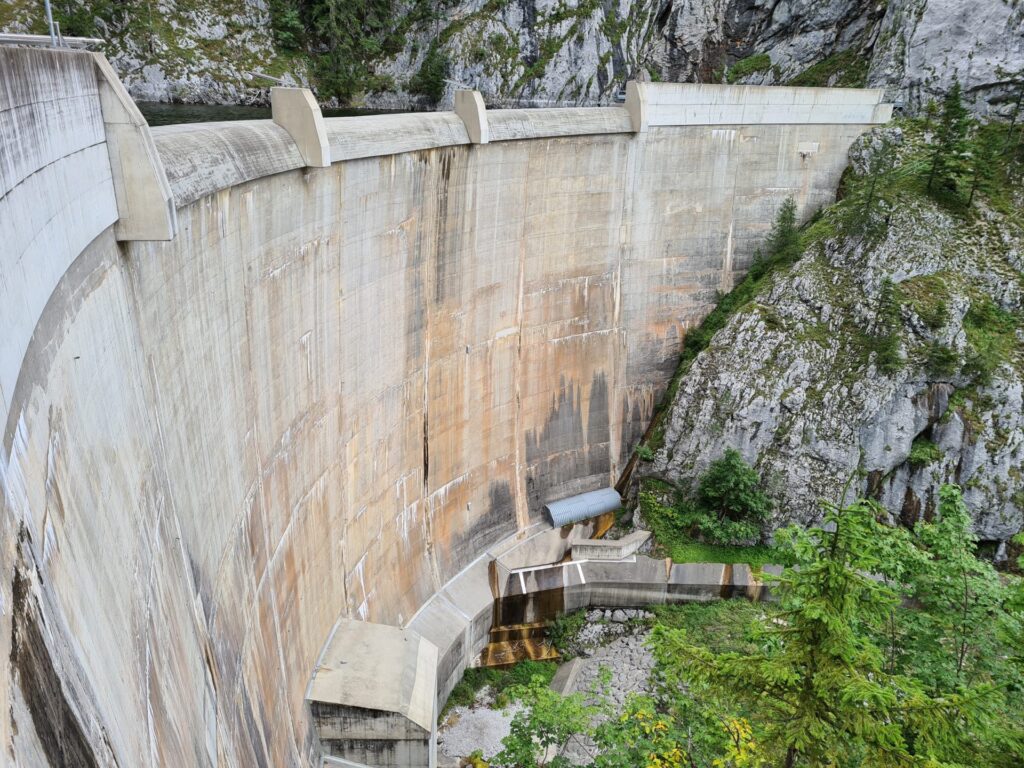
819 692
949 142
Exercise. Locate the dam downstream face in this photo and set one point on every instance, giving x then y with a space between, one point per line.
328 394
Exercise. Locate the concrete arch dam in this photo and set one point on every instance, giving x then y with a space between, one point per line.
257 377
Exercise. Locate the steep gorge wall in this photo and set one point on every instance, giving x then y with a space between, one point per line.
335 387
548 52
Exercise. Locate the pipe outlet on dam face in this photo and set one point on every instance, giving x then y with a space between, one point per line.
227 348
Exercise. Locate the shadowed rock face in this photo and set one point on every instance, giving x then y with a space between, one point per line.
332 391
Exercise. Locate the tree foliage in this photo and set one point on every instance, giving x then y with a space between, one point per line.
345 39
823 691
543 726
949 147
728 506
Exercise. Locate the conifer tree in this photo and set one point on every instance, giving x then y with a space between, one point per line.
949 142
819 691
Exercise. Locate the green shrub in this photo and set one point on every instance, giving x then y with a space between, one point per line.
941 360
429 81
286 25
728 507
564 628
644 452
886 343
759 62
500 679
730 501
849 68
923 452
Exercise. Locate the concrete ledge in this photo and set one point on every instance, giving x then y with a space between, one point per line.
372 696
609 549
296 110
564 681
145 206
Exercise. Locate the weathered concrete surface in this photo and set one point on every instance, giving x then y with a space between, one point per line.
327 396
372 695
610 549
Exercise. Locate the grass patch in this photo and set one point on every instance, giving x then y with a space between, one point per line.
849 68
722 626
929 297
991 335
500 679
759 62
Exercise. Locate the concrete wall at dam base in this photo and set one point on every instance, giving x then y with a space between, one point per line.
260 377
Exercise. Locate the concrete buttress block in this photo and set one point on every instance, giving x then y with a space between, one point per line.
469 106
296 110
145 206
636 105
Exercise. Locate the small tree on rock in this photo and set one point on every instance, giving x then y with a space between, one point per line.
949 143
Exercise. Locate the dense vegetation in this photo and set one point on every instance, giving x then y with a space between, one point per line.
344 39
886 647
720 521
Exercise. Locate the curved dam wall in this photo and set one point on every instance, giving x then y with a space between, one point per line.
331 388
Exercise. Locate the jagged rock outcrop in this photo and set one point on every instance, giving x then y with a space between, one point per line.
541 52
794 381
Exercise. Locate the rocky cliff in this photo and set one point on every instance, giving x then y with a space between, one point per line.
893 362
555 51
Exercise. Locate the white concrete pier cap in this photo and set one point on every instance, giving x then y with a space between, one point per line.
296 110
469 106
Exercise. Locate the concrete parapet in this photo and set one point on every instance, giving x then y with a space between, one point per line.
296 110
677 104
512 124
56 193
145 207
469 106
353 138
204 158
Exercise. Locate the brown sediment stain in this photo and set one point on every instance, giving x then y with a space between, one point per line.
603 524
910 512
874 487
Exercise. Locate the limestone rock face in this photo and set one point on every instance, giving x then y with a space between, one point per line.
581 52
793 384
924 44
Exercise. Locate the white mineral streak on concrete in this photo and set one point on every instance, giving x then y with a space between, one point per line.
331 392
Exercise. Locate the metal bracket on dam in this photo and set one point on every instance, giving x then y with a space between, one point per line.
283 400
